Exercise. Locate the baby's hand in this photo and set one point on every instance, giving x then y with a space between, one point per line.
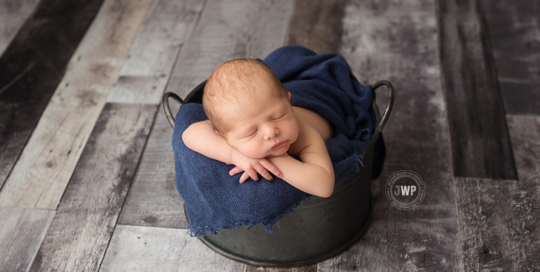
251 167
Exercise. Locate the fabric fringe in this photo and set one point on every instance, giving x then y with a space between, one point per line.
200 231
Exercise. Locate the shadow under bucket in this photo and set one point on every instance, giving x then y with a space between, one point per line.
319 230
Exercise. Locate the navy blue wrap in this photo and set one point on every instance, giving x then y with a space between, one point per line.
322 83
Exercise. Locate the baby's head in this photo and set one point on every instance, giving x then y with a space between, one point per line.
239 96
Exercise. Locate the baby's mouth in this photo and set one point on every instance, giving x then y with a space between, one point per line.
280 144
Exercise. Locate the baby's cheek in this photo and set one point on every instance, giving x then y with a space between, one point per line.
251 151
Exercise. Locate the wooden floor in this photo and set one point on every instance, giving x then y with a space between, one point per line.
86 164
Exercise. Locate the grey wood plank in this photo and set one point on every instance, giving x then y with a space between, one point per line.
13 13
514 31
498 224
21 233
161 249
479 133
499 218
147 70
317 25
226 30
525 135
46 164
135 248
33 65
397 41
85 220
153 199
309 268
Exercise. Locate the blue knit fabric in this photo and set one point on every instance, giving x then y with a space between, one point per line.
322 83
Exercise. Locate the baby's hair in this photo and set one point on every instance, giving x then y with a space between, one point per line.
231 83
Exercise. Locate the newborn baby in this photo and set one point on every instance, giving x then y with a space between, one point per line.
253 126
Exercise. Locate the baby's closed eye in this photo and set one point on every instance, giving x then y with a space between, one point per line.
280 116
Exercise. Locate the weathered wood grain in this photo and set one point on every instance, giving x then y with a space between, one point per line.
317 25
525 135
479 134
42 172
229 30
32 67
397 41
514 32
161 249
153 199
13 13
309 268
499 218
226 30
80 232
21 233
147 70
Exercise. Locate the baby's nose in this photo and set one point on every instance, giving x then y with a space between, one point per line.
271 133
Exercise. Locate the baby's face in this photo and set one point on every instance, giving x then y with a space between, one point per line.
262 122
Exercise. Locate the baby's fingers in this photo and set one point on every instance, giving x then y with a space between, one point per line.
235 171
253 174
244 177
271 167
263 172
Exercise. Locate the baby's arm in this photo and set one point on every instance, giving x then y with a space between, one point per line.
201 137
315 173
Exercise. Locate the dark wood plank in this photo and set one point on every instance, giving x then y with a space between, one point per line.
13 13
514 31
397 41
46 164
85 220
499 218
33 65
222 33
162 249
479 134
21 233
317 25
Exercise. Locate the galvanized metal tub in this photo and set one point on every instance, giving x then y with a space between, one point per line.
321 229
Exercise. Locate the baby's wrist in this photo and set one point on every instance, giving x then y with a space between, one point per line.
235 155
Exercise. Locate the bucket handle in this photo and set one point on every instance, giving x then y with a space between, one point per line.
390 101
167 109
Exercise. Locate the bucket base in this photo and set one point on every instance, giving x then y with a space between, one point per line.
296 263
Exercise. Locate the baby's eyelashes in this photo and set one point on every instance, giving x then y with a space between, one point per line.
280 116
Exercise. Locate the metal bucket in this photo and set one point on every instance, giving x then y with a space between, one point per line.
319 230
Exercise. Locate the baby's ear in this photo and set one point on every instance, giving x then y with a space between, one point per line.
289 95
217 132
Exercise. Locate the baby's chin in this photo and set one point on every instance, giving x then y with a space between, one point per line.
273 156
